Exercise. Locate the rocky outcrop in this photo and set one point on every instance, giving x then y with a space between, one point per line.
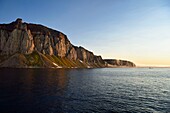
17 40
119 63
53 47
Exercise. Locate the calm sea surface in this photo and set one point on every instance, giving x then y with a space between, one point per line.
105 90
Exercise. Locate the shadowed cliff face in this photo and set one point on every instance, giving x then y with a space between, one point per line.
52 48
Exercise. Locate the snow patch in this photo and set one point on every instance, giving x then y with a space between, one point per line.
81 61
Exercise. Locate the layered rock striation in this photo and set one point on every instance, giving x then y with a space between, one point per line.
34 45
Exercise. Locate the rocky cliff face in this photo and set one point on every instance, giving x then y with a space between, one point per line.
119 63
23 38
37 45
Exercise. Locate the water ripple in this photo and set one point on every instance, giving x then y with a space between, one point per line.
115 90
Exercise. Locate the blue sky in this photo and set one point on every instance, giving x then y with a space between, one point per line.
136 30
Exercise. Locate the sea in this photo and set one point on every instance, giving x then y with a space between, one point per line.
99 90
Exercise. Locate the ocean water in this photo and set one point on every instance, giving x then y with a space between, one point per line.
102 90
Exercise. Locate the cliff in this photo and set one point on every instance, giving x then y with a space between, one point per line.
32 45
119 63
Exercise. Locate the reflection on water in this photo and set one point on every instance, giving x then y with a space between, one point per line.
84 90
28 90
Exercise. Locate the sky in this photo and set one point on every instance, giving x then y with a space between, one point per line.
135 30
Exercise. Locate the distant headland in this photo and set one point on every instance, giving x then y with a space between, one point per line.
27 45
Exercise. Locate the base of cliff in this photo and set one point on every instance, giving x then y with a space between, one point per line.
39 60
